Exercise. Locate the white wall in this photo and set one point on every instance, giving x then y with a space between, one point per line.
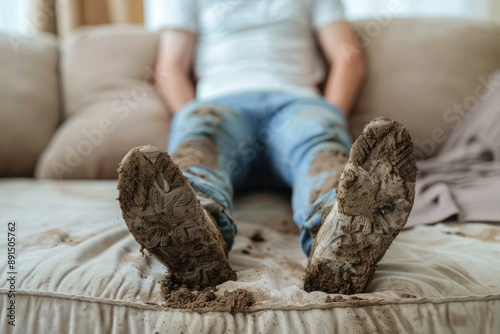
475 9
496 10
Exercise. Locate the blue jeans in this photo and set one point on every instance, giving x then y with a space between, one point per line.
262 139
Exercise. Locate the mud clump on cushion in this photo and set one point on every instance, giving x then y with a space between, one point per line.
257 237
205 300
336 299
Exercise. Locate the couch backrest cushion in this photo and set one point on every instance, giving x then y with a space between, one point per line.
110 102
29 100
426 74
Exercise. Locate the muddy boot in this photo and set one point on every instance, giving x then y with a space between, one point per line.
374 199
163 214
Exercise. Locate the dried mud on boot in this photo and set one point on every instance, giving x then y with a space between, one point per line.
165 217
374 199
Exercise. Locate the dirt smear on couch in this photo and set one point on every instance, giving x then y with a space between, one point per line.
206 300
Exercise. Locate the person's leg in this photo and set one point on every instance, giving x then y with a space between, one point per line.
360 208
180 213
374 198
308 144
204 143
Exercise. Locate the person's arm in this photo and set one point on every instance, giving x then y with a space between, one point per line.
173 68
347 65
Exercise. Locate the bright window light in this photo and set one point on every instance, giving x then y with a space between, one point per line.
474 9
366 9
14 15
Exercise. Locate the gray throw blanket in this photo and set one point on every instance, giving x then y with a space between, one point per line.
463 180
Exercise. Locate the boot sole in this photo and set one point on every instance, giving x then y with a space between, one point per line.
374 199
163 214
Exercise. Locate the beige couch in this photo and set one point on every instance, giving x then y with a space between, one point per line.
72 109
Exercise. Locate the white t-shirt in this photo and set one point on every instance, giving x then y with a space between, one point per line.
254 45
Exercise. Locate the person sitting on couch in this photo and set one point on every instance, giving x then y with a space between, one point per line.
258 118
